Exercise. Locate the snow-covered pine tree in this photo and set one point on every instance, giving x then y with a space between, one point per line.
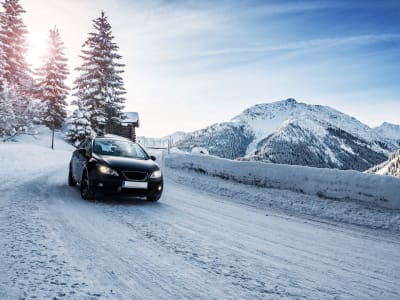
15 70
8 121
79 126
51 88
100 88
7 100
13 33
2 59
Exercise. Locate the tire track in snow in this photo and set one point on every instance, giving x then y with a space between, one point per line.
119 258
34 262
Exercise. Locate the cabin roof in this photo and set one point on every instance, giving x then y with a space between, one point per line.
130 117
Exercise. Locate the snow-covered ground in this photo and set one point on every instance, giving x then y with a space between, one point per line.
207 238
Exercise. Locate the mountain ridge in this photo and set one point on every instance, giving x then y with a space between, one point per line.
293 132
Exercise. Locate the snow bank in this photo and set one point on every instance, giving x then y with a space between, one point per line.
41 136
382 191
200 150
29 155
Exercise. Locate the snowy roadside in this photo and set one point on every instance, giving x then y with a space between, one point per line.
289 202
336 184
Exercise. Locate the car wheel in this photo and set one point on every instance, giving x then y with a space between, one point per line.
153 198
71 179
87 190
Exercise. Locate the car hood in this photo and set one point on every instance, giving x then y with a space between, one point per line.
127 164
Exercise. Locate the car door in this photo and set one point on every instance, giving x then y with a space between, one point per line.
81 159
75 161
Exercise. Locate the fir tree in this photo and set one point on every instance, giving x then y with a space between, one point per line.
15 80
2 59
8 120
51 89
100 87
13 43
79 126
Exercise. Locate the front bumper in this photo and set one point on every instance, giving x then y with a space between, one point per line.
113 184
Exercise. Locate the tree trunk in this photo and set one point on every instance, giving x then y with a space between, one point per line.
52 136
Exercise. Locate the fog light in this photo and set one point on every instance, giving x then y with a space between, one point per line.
100 184
159 188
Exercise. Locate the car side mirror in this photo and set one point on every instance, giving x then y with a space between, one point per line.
82 151
152 157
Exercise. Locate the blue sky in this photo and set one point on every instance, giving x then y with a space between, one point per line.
193 63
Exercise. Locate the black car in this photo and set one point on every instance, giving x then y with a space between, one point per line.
115 164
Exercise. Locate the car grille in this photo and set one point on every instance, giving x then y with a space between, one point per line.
135 175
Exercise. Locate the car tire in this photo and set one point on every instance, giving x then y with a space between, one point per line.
71 179
87 189
153 198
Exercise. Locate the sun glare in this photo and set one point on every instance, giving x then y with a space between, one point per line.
37 49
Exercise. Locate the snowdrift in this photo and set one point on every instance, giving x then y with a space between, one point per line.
383 191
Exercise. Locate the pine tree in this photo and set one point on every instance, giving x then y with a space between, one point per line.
79 126
51 89
2 59
8 121
13 33
15 81
100 87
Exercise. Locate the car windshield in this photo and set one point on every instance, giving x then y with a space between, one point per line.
119 148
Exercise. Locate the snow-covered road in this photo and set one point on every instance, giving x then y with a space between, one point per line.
191 244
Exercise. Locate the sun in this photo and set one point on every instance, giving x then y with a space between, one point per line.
37 49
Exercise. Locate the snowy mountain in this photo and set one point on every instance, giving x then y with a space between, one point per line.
292 132
390 167
388 130
228 140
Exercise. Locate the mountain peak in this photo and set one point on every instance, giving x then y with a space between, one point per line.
388 130
266 118
290 100
387 124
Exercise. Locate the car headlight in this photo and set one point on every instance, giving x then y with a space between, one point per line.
156 174
106 170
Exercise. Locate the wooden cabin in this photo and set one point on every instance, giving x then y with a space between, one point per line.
126 127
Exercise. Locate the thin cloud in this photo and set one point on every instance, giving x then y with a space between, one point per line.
282 8
305 45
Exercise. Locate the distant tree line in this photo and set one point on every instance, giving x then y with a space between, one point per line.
29 97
